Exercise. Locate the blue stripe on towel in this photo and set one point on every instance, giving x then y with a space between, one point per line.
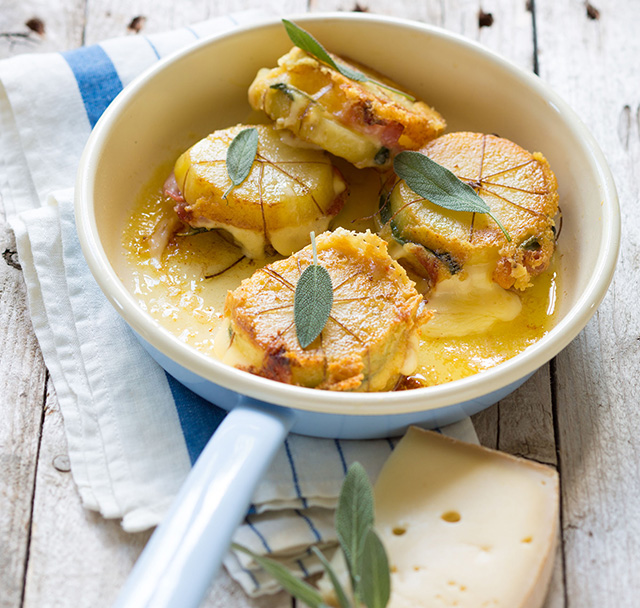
254 580
259 535
153 47
341 454
310 524
198 418
97 79
294 474
99 83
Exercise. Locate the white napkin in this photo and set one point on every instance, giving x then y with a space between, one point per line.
132 431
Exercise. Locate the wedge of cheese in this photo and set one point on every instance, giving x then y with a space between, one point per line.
464 526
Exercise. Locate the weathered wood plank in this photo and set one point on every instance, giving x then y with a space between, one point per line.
106 19
22 371
594 64
74 553
22 378
63 22
522 424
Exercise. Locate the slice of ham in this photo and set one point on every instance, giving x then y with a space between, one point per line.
360 117
171 188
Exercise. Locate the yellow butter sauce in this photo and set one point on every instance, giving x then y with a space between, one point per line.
185 290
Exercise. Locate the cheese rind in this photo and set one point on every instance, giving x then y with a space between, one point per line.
465 526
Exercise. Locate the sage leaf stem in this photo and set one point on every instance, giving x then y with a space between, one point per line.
305 41
299 589
333 577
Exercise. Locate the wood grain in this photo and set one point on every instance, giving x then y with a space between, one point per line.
580 413
594 66
63 22
22 377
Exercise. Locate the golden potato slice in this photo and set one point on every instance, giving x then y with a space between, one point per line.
289 192
369 339
359 121
518 186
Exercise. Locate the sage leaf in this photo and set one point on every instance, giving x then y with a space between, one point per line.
240 156
440 186
354 518
333 577
312 300
375 580
299 589
305 41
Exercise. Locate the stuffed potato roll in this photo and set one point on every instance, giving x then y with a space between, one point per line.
289 192
520 189
361 122
369 340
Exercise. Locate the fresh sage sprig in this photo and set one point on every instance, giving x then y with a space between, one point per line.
341 594
312 300
299 589
240 156
354 518
363 550
440 186
305 41
364 554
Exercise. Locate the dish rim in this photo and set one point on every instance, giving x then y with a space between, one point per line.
375 404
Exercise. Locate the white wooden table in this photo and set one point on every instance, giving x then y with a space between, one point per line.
579 413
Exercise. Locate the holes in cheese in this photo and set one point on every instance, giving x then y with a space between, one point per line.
498 540
451 516
480 527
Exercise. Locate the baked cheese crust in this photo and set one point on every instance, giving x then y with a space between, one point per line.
518 186
290 191
367 342
359 121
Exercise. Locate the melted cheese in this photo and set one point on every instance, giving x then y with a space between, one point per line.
178 294
470 303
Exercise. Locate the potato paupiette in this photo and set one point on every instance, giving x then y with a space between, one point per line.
369 340
518 186
361 122
289 192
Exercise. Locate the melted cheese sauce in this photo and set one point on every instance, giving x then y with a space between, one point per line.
476 324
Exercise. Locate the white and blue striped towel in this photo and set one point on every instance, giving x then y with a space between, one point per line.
133 432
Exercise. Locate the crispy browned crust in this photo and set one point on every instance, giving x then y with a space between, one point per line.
375 313
393 120
518 186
